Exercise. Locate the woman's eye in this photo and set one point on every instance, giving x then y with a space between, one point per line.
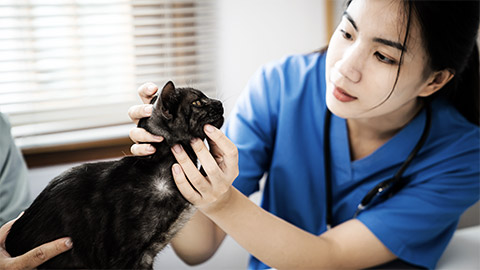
345 34
197 103
384 59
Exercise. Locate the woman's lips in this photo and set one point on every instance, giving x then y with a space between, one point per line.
341 95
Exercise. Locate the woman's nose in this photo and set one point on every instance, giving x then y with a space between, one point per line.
350 66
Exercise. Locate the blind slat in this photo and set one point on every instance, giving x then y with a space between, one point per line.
39 106
69 113
19 98
68 125
71 137
117 82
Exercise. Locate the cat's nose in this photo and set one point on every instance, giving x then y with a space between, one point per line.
217 105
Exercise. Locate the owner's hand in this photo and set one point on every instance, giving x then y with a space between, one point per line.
34 257
139 135
221 166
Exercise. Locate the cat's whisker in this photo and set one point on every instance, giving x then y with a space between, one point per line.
225 100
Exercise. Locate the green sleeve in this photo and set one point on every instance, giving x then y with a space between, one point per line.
14 188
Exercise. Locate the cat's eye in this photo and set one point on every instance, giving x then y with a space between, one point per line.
197 103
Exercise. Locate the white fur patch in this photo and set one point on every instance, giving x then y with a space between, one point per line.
147 259
163 187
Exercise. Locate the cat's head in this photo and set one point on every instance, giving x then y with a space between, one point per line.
180 114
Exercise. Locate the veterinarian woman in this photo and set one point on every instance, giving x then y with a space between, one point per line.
391 170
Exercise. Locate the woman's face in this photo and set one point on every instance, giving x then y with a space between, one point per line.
362 61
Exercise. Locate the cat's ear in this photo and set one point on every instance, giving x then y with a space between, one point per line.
168 100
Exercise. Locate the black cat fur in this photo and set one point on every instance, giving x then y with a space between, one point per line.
120 214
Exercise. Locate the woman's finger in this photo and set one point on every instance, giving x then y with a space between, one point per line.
188 192
209 164
43 253
138 112
224 147
141 135
191 171
216 153
146 91
142 149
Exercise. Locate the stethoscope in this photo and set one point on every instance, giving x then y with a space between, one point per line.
384 189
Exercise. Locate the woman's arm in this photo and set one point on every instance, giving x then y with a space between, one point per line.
267 237
281 245
198 240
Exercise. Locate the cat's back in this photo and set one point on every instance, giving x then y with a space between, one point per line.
64 196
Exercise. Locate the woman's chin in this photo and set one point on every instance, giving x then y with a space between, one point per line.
337 108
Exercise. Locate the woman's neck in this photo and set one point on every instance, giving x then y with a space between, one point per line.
368 134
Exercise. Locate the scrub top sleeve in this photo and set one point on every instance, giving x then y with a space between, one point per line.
14 188
417 223
251 126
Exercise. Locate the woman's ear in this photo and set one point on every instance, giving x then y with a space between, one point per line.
436 81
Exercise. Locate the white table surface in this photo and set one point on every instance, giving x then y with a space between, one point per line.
463 252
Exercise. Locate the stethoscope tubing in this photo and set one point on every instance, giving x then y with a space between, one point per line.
386 188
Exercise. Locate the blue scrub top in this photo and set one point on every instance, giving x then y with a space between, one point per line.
278 124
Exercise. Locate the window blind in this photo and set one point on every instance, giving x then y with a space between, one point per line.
69 69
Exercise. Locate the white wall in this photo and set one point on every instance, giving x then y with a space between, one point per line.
254 32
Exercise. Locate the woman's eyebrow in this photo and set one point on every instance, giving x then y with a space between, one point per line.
350 19
383 41
390 43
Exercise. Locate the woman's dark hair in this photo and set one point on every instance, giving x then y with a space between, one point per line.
449 31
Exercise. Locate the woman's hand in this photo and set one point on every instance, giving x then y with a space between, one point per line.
220 164
34 257
139 135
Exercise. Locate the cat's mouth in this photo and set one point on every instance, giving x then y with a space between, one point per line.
218 122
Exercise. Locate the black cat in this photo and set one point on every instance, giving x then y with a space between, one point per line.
120 214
